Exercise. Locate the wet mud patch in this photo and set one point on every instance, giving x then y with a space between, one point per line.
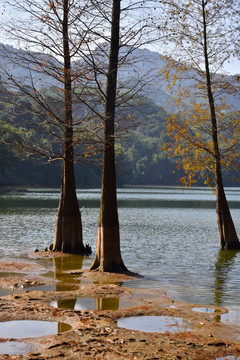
47 254
95 333
105 277
17 276
15 284
20 267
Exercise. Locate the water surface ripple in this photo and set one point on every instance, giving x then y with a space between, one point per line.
168 235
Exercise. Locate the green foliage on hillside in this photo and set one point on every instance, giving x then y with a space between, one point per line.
139 158
9 155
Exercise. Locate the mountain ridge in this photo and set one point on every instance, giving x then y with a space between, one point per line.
143 65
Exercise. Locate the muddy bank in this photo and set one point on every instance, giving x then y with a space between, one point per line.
94 332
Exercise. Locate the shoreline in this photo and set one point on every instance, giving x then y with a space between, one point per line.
95 333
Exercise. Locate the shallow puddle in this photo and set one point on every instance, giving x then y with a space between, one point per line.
158 324
15 348
10 274
62 266
232 317
4 292
88 303
108 281
42 288
204 310
19 329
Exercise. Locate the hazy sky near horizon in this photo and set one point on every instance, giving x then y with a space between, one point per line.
231 67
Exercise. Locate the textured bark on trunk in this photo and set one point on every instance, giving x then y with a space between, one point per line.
108 254
227 232
68 232
226 229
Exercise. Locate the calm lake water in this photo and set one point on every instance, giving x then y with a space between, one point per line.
168 235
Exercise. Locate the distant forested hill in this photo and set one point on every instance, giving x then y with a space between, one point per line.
143 63
139 158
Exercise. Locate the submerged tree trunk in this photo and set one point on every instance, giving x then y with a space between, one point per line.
227 232
108 254
68 233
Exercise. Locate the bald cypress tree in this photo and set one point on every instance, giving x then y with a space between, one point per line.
205 130
108 254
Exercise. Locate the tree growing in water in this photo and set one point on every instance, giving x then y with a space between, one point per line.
76 42
205 132
68 233
108 255
54 34
136 31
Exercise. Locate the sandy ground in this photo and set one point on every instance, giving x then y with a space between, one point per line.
95 334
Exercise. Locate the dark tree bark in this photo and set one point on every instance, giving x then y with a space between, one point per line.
68 233
227 232
226 229
108 255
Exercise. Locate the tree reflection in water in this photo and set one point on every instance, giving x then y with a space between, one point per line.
223 266
62 266
106 303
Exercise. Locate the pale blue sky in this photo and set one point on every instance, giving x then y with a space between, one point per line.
232 67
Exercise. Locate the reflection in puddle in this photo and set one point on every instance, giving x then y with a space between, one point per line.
62 266
68 284
20 329
232 317
106 303
207 310
88 303
204 310
15 348
159 324
106 282
10 274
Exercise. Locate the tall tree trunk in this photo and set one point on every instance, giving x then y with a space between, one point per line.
227 232
108 254
68 233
